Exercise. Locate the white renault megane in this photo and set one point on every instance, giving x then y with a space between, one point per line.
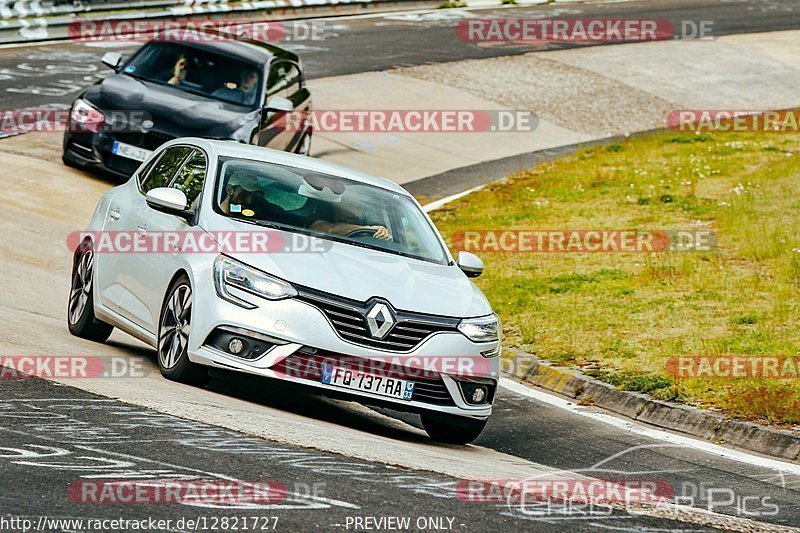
223 255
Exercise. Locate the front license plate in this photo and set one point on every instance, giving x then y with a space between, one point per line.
352 379
130 151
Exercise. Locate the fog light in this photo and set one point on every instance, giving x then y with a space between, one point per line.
478 395
235 346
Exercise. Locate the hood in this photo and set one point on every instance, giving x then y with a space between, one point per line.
174 111
362 273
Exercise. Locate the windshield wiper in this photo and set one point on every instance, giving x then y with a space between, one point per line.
262 223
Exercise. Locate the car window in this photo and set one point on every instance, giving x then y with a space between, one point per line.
325 206
142 174
164 170
198 71
191 176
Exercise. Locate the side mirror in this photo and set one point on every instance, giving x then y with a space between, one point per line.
167 200
112 60
470 264
279 104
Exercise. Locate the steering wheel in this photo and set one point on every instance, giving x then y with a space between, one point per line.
359 232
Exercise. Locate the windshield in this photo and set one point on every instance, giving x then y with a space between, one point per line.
198 71
326 206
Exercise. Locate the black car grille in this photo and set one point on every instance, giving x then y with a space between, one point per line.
428 388
123 165
150 140
348 318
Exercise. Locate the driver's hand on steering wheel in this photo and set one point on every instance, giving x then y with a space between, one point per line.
381 233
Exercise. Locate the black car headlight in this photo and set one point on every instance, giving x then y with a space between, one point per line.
231 274
86 116
481 329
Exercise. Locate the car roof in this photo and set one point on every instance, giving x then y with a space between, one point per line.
249 50
268 155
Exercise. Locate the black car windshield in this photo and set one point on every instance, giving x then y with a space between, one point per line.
198 71
326 206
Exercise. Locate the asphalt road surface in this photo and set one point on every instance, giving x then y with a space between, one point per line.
69 454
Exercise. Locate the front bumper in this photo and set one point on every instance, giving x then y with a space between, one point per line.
93 150
437 365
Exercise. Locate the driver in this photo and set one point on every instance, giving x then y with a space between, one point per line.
347 214
177 75
244 93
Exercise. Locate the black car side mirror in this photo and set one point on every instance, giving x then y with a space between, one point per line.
112 60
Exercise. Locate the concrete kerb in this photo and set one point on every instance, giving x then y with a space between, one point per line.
699 423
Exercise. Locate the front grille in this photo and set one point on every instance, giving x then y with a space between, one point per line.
348 318
150 140
428 388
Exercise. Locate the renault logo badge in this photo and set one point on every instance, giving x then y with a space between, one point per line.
380 320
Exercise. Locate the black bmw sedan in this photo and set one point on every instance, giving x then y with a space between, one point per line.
216 89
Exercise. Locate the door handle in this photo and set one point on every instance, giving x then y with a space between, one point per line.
141 230
114 213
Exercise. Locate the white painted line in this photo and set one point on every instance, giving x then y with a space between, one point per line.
446 200
653 433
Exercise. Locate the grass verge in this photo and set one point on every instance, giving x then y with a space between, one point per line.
621 316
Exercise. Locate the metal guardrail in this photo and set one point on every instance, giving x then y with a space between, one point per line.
55 26
20 9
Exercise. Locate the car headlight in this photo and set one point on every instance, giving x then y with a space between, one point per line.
231 274
481 329
88 116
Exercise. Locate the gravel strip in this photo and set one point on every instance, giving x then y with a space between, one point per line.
571 97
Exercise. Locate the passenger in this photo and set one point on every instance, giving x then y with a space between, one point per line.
245 196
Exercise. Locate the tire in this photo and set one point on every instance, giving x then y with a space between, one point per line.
451 428
173 336
304 145
80 307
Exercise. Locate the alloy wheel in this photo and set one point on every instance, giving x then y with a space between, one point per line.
81 287
175 326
